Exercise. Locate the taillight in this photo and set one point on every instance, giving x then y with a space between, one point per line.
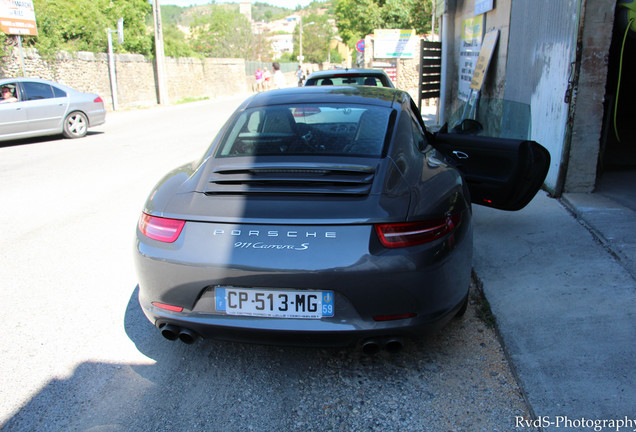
414 233
98 99
168 307
161 229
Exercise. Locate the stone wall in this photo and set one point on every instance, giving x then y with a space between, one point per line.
86 71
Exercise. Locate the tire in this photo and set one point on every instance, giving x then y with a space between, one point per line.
462 309
75 125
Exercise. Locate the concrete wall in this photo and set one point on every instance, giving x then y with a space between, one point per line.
85 71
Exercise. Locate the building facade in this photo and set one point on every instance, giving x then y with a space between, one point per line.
552 79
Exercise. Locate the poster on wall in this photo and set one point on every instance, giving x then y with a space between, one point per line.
395 43
470 44
485 55
17 17
483 6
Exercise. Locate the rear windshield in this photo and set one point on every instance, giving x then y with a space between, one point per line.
348 80
348 130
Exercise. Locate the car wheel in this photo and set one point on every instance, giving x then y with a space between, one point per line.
462 309
75 125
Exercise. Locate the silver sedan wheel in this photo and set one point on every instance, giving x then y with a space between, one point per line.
75 125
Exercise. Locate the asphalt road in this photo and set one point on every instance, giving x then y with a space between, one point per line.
77 354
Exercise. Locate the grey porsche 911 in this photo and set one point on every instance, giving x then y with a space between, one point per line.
324 216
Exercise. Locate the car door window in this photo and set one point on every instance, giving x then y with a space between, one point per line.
37 91
9 93
58 92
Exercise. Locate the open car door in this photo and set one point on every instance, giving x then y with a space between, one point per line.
501 173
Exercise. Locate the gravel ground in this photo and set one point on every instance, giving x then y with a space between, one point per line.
458 380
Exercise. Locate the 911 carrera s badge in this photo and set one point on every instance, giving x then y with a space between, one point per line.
261 245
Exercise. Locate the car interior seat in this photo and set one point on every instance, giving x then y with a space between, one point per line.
369 81
279 121
326 81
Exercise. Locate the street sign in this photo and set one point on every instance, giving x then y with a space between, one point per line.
120 31
18 18
360 46
394 43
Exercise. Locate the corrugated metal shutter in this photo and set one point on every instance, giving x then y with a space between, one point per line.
541 49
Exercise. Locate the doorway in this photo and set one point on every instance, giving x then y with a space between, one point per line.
616 174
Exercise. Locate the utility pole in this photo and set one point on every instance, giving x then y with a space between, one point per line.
111 59
159 54
300 49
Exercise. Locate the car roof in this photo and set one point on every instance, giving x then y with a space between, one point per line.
38 80
380 96
359 71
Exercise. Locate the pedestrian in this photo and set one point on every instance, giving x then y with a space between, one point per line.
279 78
300 75
267 79
259 79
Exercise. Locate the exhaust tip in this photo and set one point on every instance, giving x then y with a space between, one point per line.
170 332
370 347
187 336
393 345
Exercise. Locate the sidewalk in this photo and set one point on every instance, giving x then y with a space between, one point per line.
560 278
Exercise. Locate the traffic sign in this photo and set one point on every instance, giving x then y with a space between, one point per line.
360 45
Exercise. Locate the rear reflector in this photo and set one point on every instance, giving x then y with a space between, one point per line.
414 233
161 229
393 317
168 307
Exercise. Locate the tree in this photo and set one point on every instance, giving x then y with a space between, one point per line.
225 32
317 32
358 18
175 43
80 25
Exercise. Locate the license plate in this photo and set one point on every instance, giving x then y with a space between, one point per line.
274 303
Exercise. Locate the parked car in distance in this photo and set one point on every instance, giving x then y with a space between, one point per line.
37 107
324 216
370 77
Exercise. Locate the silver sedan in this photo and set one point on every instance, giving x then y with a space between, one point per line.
31 107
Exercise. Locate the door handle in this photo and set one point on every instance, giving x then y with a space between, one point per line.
460 154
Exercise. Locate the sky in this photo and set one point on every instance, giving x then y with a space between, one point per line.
289 4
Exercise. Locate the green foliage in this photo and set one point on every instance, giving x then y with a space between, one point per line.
80 25
170 15
226 33
317 33
287 58
358 18
175 43
4 45
267 13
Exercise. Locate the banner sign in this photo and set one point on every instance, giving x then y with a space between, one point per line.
485 55
441 7
483 6
17 17
470 44
395 43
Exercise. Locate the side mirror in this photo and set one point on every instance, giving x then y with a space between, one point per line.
467 127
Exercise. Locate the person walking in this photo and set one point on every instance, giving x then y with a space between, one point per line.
279 78
300 75
259 79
